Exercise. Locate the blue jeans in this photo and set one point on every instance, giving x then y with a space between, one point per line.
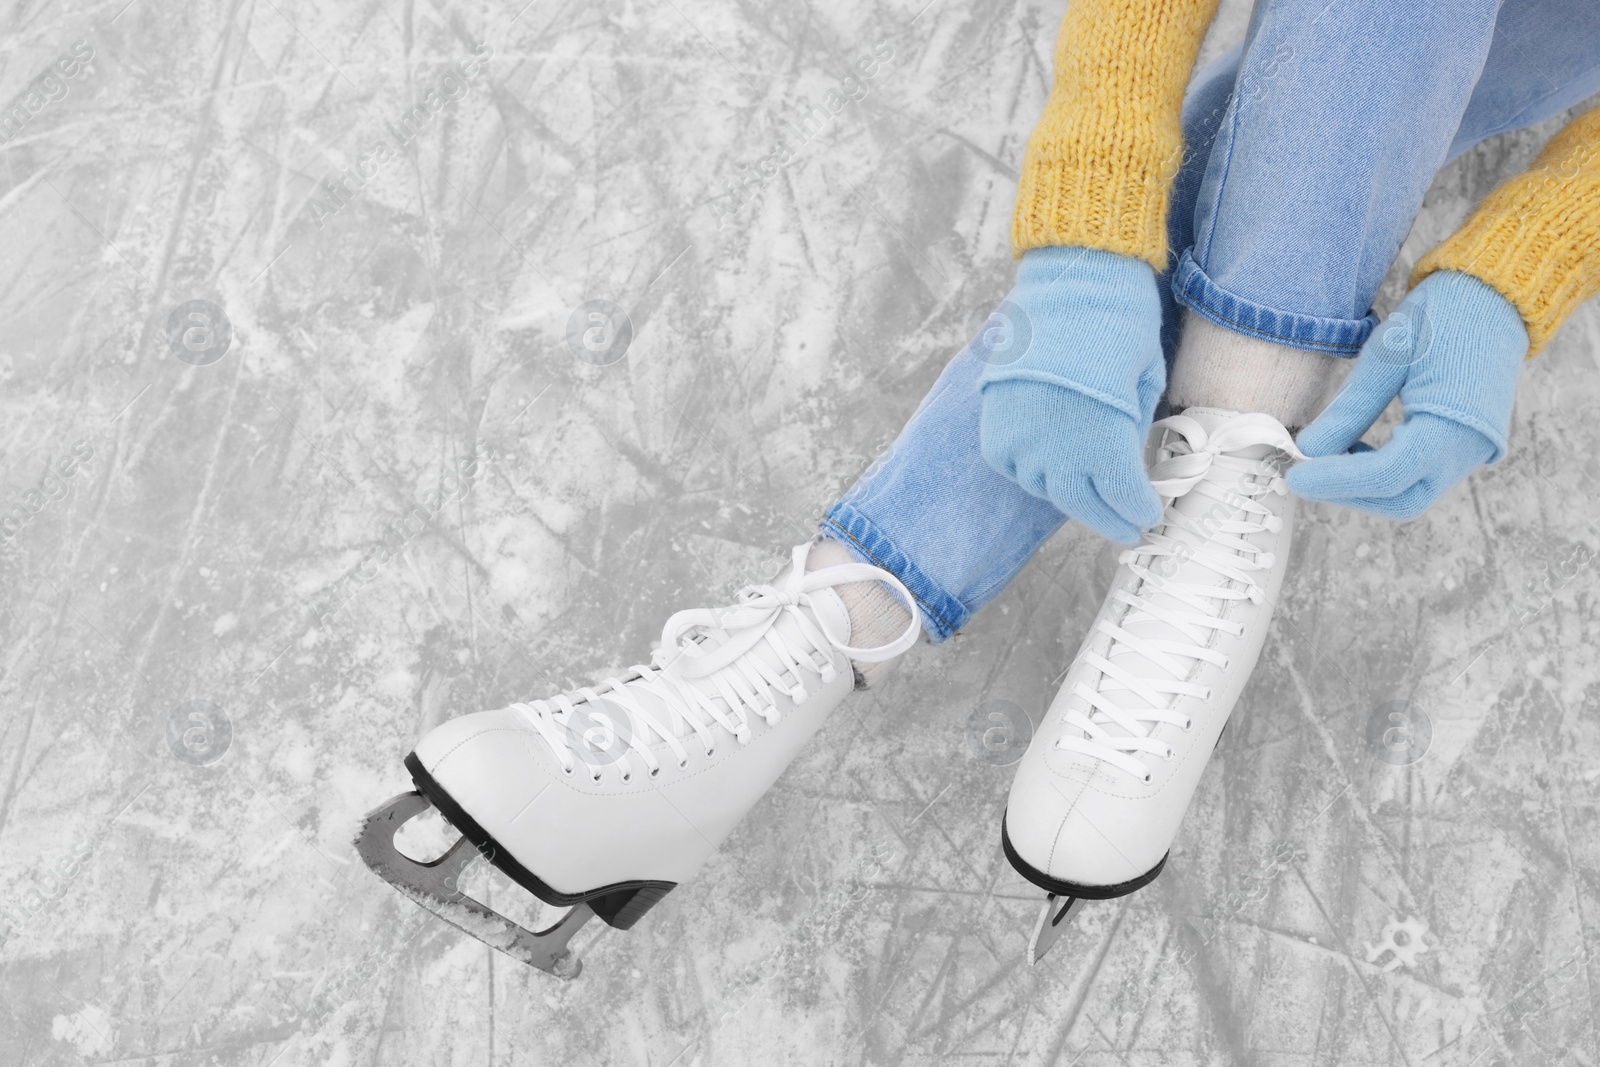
1308 150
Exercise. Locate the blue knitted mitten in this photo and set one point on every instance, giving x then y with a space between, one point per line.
1075 372
1452 352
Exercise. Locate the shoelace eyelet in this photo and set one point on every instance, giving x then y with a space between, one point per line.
711 644
1168 546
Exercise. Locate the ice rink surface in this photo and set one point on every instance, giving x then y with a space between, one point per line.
292 475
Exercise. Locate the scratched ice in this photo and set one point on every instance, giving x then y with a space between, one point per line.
368 364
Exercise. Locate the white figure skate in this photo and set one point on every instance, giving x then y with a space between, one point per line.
606 798
1100 793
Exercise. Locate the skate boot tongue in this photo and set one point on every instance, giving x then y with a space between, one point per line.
1213 467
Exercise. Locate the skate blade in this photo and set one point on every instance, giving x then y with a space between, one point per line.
436 887
1052 921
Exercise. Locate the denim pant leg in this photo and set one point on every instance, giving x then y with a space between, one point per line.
933 513
1341 116
931 510
1204 105
1544 59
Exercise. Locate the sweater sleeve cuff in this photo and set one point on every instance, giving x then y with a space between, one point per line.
1092 204
1536 239
1099 166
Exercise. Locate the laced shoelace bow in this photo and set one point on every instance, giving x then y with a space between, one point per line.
1135 702
715 646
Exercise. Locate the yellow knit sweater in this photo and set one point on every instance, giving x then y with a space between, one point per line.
1098 168
1536 239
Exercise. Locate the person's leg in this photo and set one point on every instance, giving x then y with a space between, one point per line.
1204 106
1341 117
1293 374
1343 114
1330 136
1544 59
933 513
931 510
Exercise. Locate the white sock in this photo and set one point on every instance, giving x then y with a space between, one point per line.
876 615
1218 368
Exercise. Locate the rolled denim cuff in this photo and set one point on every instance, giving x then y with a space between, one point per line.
942 614
1197 292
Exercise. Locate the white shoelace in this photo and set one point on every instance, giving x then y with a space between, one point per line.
719 646
1193 461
